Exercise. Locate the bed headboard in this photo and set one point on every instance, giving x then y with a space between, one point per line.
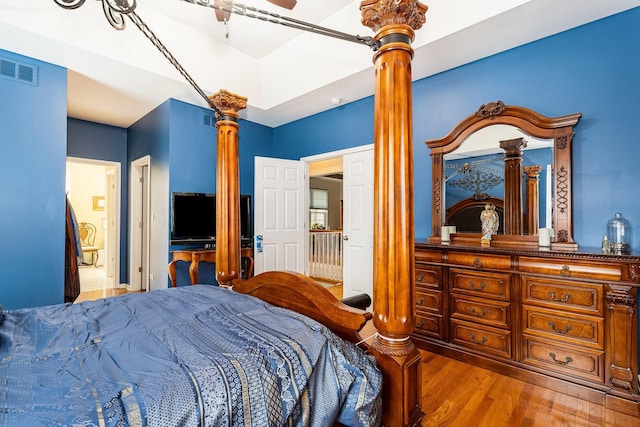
465 214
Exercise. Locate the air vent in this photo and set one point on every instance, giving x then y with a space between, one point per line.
19 72
209 121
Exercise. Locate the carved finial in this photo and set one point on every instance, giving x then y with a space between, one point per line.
513 147
491 109
380 13
229 103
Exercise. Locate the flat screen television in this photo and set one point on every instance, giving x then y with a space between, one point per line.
193 218
246 220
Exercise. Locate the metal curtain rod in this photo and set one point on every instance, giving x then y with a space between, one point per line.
264 15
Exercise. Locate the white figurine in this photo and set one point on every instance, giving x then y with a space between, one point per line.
490 222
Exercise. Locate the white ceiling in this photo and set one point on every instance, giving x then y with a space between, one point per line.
116 77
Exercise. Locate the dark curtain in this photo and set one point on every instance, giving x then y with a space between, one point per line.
72 275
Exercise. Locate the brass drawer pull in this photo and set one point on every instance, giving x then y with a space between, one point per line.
473 338
420 301
559 331
477 262
565 271
475 313
420 278
567 359
472 285
421 324
563 299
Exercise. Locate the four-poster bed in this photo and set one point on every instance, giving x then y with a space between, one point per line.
386 331
393 307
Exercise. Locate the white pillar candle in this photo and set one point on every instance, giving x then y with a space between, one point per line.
544 237
444 233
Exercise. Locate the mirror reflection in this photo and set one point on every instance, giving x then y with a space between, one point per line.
502 166
532 183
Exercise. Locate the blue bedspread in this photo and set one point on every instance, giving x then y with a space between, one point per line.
196 355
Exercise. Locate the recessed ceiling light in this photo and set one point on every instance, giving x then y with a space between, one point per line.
336 101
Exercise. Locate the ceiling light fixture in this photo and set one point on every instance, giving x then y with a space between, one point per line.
336 101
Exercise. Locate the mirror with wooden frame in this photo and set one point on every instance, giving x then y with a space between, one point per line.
512 158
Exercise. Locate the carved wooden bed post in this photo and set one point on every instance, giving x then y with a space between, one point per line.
228 187
394 22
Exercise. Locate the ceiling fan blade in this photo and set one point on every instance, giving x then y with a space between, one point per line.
287 4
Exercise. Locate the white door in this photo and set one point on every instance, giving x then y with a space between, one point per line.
358 223
280 215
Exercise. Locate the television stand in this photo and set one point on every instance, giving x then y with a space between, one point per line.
196 256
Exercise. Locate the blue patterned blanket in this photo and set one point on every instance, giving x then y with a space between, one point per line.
188 356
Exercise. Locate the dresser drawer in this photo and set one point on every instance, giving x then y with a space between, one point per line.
429 301
481 338
422 255
429 325
570 328
428 276
574 361
481 284
576 297
491 313
572 268
480 261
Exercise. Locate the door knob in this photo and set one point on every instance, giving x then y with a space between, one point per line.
345 237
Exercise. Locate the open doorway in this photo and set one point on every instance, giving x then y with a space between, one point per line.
140 217
93 190
281 194
325 223
341 220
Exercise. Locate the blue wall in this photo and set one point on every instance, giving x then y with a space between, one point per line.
350 125
150 136
32 183
591 69
193 157
89 140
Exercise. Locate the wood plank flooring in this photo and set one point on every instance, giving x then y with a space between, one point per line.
456 394
100 293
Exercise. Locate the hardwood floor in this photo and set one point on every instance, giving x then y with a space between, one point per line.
101 293
456 394
336 290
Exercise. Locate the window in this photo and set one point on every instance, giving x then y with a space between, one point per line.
318 219
318 209
319 198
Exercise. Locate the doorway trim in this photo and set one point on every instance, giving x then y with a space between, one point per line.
334 154
116 167
136 221
326 156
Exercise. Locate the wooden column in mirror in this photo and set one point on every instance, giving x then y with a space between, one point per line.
532 223
513 223
558 129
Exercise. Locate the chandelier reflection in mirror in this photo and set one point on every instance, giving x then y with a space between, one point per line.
476 176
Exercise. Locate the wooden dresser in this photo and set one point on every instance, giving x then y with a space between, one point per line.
564 320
